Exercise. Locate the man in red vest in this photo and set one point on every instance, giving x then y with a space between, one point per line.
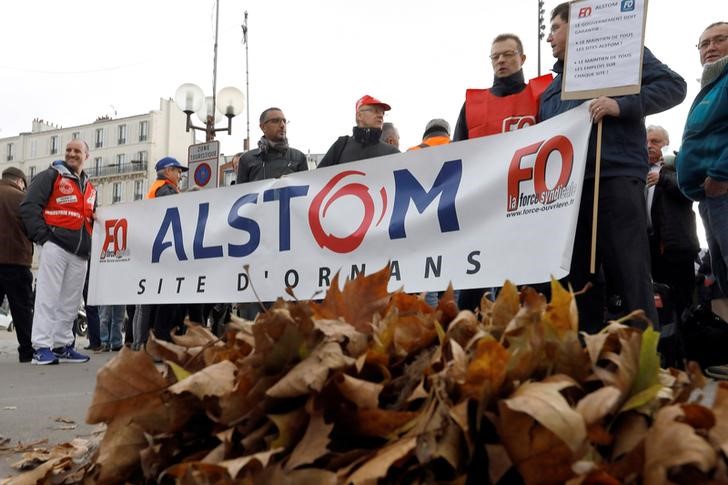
58 213
510 103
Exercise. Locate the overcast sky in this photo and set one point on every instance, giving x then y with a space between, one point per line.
71 61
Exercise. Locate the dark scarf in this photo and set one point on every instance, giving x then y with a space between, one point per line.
367 136
505 86
265 145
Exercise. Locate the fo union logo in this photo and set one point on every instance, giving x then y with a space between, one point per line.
115 234
527 185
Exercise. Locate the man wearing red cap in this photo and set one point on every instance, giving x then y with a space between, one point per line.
365 140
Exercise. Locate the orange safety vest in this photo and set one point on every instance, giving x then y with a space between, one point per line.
488 114
433 141
68 208
152 194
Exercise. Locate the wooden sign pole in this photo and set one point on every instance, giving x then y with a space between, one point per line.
595 208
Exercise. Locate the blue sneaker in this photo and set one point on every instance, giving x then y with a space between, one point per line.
69 354
44 356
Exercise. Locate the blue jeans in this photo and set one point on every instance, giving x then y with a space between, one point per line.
112 321
714 211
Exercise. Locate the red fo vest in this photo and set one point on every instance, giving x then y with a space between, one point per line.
152 194
68 207
488 114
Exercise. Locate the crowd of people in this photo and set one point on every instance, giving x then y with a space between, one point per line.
646 229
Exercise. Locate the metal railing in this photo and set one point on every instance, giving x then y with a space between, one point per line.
116 169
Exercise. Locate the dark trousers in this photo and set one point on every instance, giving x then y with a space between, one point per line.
92 318
16 282
128 327
623 252
165 318
677 270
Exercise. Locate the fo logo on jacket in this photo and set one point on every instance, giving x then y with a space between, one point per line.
115 237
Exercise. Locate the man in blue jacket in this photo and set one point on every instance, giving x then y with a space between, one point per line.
623 252
702 164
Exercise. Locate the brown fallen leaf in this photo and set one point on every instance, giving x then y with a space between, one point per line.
313 445
126 385
119 452
381 422
62 419
236 465
363 393
719 433
671 443
544 403
534 449
377 466
486 371
311 373
215 380
598 404
506 306
42 472
358 302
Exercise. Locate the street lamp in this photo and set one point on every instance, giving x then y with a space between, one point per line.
229 103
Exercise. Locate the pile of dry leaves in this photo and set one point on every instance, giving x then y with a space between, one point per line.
368 385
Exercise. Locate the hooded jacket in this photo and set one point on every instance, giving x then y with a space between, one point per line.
38 198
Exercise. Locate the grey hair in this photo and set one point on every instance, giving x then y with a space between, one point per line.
387 129
660 130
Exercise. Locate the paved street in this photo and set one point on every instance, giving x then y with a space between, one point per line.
33 397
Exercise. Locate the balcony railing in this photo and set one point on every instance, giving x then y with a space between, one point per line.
116 169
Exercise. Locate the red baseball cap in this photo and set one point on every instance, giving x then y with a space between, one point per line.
368 100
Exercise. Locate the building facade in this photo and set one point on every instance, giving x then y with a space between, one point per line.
123 151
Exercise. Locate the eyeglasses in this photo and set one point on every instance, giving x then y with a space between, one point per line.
506 55
718 39
276 121
375 109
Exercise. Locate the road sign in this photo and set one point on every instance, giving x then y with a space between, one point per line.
203 160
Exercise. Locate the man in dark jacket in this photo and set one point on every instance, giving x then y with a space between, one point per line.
622 246
273 158
671 224
58 213
16 256
365 141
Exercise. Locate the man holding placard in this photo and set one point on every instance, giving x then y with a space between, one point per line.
622 248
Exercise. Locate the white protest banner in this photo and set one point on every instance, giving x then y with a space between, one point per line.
474 213
604 48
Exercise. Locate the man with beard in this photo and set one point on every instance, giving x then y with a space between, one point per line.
273 158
